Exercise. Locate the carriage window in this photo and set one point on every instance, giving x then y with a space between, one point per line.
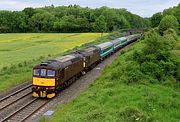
43 72
37 72
51 73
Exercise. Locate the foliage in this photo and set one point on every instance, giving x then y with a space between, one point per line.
71 24
175 11
156 59
156 19
167 22
121 23
41 22
140 85
100 24
72 18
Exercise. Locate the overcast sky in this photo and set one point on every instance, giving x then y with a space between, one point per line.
144 8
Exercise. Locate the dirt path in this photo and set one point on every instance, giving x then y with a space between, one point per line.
76 88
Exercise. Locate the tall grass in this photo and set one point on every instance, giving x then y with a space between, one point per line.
127 93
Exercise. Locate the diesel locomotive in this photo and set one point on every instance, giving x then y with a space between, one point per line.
52 76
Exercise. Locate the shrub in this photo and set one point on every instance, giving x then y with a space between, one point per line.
155 60
128 73
169 21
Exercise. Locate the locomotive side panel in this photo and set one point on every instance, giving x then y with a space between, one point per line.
90 55
72 70
93 58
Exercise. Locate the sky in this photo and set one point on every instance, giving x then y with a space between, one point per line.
144 8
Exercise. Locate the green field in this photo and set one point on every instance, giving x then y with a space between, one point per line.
20 52
123 93
17 48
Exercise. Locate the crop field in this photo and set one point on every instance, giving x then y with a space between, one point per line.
20 52
16 48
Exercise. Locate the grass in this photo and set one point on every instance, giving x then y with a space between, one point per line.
20 52
108 100
17 48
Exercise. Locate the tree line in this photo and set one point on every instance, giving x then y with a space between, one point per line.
172 13
72 18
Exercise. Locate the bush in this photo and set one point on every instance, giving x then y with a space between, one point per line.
155 61
169 21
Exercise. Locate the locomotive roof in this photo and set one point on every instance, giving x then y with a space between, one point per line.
105 45
88 51
65 58
60 62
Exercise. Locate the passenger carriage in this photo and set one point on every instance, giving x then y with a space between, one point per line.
106 49
119 43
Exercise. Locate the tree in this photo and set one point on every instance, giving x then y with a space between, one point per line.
19 22
169 21
146 22
83 25
71 18
29 11
121 23
100 24
42 22
66 24
156 19
6 21
109 15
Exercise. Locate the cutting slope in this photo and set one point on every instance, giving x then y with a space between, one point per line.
127 92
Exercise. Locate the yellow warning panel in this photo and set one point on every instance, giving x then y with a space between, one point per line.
43 81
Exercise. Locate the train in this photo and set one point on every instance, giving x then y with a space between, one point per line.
52 76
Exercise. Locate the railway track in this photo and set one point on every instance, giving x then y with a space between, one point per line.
15 96
26 110
20 105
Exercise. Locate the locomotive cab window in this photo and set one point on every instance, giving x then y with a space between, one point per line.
37 72
43 72
50 73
